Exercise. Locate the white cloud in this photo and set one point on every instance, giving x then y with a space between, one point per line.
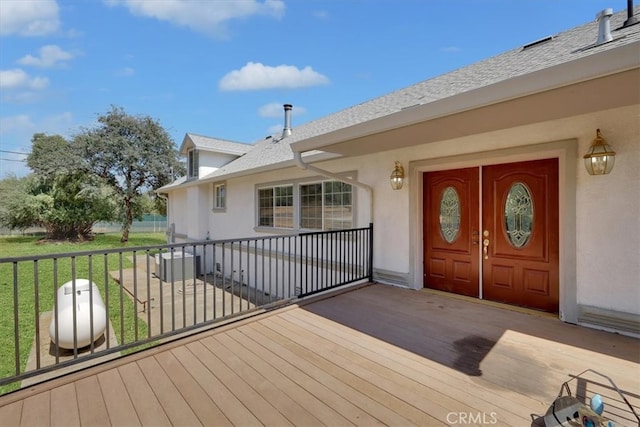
206 17
29 17
276 109
321 14
50 56
255 76
16 124
18 79
125 72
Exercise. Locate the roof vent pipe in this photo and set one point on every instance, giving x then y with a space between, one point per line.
604 26
631 18
287 120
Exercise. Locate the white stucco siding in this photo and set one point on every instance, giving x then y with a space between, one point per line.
176 212
211 161
237 219
599 215
608 220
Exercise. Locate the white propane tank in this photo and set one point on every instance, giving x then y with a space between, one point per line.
65 309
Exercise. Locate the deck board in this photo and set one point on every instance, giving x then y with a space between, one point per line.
148 408
369 400
473 396
377 355
205 409
36 410
64 407
116 399
11 414
302 391
91 405
295 412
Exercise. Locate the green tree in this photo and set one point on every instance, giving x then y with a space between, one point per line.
59 196
133 154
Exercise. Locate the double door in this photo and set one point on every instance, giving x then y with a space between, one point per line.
502 229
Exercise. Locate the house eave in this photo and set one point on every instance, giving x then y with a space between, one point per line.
612 62
220 174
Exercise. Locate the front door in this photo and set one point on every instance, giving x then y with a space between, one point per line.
514 248
451 231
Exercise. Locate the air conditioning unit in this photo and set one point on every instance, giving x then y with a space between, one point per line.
181 266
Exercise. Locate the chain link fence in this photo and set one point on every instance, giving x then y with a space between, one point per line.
150 224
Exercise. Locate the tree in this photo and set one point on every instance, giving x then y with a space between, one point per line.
59 196
133 154
66 206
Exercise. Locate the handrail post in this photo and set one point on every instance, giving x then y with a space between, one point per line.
370 252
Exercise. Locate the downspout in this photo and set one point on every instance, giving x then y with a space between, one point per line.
297 157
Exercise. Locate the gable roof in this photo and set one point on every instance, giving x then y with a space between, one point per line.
512 74
217 145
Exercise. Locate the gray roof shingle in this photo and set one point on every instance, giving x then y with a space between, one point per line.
215 144
561 48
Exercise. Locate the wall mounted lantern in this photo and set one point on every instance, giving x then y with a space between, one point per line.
397 176
600 158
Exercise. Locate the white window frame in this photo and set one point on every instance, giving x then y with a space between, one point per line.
220 196
297 202
326 219
280 213
193 166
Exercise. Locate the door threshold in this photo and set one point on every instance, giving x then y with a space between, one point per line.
501 305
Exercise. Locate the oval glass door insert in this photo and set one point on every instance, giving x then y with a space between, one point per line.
518 215
449 214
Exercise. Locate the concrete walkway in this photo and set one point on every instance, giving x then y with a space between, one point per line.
165 307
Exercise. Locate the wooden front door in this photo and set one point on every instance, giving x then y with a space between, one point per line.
451 231
520 234
514 248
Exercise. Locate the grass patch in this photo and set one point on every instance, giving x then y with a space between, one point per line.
34 300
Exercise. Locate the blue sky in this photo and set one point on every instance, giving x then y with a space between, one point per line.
223 68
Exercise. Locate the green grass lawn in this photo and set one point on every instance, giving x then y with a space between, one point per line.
32 299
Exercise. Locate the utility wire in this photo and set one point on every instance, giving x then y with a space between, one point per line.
14 152
12 160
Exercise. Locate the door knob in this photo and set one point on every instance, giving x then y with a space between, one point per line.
485 248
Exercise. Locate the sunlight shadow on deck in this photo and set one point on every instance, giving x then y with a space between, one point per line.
528 353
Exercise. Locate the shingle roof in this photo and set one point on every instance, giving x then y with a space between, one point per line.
216 144
563 47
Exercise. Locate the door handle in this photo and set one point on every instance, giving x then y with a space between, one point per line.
485 248
474 237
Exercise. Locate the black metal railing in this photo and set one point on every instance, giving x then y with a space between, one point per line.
78 308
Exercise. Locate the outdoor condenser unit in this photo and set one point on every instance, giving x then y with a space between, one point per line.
167 263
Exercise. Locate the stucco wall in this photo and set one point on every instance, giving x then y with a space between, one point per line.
608 220
209 162
600 215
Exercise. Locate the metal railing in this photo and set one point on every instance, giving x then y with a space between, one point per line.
74 309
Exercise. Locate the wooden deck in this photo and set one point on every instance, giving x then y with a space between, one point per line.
377 355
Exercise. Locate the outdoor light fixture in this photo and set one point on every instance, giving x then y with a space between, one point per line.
397 176
600 158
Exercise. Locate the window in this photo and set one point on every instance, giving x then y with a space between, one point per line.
192 164
219 196
325 205
276 207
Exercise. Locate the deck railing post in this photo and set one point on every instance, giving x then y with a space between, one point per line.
370 266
